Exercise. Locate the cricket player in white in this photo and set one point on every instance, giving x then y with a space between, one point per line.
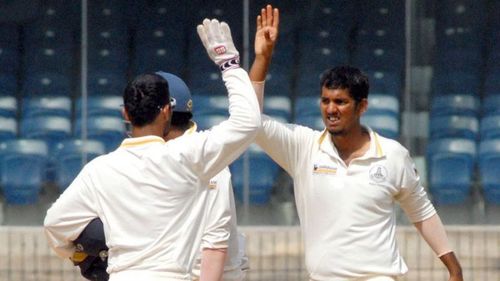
222 245
145 190
347 179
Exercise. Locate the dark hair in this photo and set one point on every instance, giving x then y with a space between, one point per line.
181 119
349 78
144 97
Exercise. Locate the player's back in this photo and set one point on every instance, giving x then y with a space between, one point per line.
149 210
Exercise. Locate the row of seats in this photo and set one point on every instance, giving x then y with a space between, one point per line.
452 163
60 106
53 129
21 157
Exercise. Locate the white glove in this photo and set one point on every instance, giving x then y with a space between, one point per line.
216 37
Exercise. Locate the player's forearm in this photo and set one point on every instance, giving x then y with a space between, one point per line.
212 264
432 230
453 265
259 69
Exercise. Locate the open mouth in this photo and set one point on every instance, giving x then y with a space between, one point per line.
333 119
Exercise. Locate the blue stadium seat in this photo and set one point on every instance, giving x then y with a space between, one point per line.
70 155
457 36
307 105
229 11
490 127
9 58
107 34
162 24
109 130
101 105
383 36
489 169
206 104
107 11
493 59
102 83
463 59
321 57
383 104
278 82
381 13
22 168
50 129
262 173
382 58
8 128
491 104
278 106
47 84
384 82
46 105
207 121
9 49
8 106
60 13
110 59
56 58
454 126
47 34
9 34
450 168
284 53
8 84
492 83
335 37
154 58
308 83
455 104
314 122
386 125
453 81
461 12
206 81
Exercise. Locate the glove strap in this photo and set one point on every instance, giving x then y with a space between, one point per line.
230 64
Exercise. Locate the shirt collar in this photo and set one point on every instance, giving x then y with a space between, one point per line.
131 142
375 151
192 128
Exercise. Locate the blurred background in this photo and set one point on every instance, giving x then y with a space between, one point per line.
434 69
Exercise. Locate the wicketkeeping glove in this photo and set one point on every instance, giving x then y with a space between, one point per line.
216 37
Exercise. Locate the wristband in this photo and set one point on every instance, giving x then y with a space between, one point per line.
230 64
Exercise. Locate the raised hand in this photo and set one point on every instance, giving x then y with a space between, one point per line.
216 37
267 31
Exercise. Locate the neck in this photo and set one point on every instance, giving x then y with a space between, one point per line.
351 142
147 130
173 133
157 128
177 131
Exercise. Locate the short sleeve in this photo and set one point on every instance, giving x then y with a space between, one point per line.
412 196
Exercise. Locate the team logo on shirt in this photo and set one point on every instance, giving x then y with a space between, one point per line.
324 169
378 173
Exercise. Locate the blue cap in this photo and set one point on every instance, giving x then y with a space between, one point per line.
179 91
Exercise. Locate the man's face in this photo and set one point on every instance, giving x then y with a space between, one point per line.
339 111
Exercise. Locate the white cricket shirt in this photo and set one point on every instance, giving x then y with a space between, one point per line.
347 213
148 193
220 225
221 228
